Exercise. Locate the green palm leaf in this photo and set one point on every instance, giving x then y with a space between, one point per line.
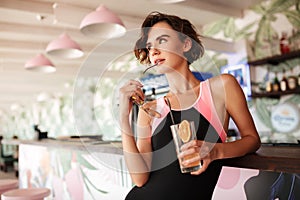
262 30
261 38
215 27
294 17
245 32
259 9
278 6
230 29
263 111
84 162
87 182
295 99
64 157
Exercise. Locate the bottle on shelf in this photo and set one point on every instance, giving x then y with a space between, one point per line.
284 43
153 95
276 84
284 86
299 79
268 82
268 86
292 81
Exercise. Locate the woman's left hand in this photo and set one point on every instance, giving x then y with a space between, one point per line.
206 154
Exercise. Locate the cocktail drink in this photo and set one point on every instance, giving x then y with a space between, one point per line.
183 133
147 107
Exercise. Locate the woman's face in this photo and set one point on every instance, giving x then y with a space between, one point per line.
165 48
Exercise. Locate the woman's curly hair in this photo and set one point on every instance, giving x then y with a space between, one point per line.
182 26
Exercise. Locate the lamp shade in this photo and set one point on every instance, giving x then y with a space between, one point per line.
41 64
102 23
64 47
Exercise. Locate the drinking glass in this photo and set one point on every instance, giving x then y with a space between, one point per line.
182 133
146 106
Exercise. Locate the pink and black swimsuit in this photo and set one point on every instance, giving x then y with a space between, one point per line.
166 181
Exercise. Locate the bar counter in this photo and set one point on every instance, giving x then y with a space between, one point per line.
270 158
277 158
92 169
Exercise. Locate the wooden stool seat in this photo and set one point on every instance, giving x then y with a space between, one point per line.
26 194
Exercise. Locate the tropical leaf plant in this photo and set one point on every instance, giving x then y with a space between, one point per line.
216 27
263 106
295 99
84 162
294 17
265 33
230 29
279 6
263 37
88 182
245 31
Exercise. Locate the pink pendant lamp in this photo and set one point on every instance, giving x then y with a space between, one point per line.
40 64
64 47
102 23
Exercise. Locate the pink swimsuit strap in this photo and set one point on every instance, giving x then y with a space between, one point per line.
204 105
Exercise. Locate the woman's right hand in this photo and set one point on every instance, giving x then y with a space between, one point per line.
129 92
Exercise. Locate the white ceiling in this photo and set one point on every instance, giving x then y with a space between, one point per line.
26 27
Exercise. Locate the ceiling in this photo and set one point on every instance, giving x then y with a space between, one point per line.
26 27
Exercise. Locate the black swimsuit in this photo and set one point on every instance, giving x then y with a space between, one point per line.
166 180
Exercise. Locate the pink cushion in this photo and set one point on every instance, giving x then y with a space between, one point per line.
26 194
8 184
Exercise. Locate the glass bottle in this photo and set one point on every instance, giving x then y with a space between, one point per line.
298 77
276 84
268 82
153 95
284 43
284 82
292 81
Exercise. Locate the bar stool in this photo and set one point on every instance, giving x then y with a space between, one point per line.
8 184
26 194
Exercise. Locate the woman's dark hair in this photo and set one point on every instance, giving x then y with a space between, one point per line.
182 26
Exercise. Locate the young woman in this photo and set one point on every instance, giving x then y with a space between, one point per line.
172 44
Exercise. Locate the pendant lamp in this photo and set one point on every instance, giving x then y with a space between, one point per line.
40 64
64 47
102 23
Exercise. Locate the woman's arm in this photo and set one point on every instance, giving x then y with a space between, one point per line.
137 154
236 108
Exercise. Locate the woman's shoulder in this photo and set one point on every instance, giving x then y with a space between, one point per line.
222 85
223 80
